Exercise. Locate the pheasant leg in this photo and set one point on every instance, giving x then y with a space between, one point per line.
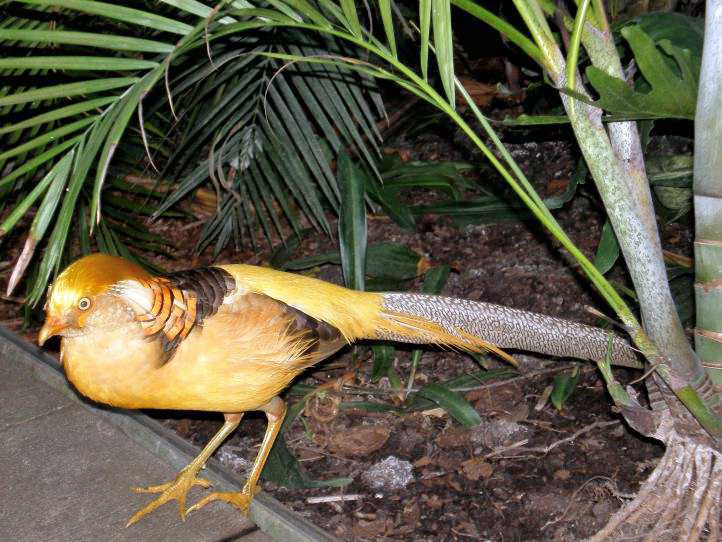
186 478
275 411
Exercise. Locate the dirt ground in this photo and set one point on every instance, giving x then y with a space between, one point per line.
529 472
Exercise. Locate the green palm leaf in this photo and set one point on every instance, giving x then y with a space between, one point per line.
210 94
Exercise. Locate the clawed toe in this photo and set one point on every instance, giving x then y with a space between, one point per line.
241 500
177 489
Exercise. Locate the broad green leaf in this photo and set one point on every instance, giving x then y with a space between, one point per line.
66 90
87 39
283 253
78 63
388 22
435 279
390 261
46 210
607 250
393 261
452 402
349 11
671 179
36 162
59 113
425 27
483 209
41 187
352 234
284 469
564 385
673 92
463 383
444 46
47 137
120 13
384 355
392 206
125 109
683 31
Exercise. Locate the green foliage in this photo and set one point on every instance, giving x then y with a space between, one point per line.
352 231
384 355
192 90
671 179
564 385
453 403
681 30
667 87
607 249
673 86
397 176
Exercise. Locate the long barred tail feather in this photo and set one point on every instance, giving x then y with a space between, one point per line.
501 326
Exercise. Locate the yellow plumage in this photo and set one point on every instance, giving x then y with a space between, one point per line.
226 339
357 315
231 338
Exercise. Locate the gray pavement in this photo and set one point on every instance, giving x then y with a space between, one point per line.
66 473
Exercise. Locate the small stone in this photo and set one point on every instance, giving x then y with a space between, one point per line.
498 432
390 474
231 459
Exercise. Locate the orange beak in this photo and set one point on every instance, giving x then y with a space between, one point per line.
51 327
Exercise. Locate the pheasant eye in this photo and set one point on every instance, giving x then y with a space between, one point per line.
84 304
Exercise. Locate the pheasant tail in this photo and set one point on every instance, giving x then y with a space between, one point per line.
472 325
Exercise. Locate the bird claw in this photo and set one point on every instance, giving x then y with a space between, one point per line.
177 489
239 499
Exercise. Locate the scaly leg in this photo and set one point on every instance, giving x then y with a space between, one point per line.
275 411
186 479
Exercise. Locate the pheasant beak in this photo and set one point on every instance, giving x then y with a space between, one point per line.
52 326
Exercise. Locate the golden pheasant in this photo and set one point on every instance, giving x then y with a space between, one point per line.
230 338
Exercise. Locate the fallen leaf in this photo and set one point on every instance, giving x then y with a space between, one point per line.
454 437
434 502
503 398
517 414
476 468
562 474
481 93
359 440
447 461
454 484
557 185
422 462
411 513
369 529
467 528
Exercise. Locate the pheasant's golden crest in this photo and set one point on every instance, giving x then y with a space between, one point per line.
87 278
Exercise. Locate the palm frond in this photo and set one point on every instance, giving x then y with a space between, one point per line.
90 85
